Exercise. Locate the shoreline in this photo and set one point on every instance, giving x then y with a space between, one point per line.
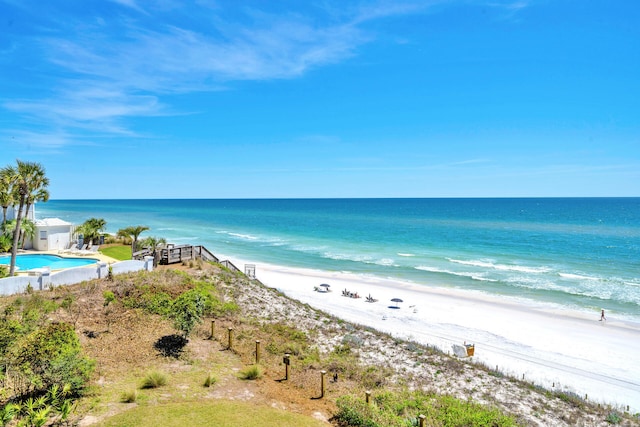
557 349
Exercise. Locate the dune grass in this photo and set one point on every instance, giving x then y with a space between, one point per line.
119 252
154 379
213 413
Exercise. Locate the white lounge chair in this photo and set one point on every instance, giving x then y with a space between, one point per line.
69 247
79 251
91 251
73 246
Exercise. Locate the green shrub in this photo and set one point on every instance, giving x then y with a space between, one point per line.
52 356
253 372
613 418
157 303
109 297
187 311
402 409
154 379
8 412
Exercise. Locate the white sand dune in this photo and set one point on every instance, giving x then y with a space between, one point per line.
569 350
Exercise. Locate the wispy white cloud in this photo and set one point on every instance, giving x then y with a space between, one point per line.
133 4
121 66
509 8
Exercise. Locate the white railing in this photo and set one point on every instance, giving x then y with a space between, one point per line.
42 278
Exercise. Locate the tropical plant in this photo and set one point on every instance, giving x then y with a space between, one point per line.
6 194
154 243
37 189
133 233
48 356
28 230
27 183
5 243
92 228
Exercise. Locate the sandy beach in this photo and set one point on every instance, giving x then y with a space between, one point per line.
557 349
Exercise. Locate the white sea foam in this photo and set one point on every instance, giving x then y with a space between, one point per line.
502 267
576 276
243 236
474 276
405 255
185 239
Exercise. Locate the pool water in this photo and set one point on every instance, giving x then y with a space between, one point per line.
54 262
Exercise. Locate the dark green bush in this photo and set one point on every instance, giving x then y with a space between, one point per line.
187 310
52 356
402 409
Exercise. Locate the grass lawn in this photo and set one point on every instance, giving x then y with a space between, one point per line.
210 413
119 252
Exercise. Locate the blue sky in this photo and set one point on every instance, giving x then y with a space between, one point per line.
254 99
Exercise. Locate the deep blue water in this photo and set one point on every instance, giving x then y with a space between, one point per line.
577 252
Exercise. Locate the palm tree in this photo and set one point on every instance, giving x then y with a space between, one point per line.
28 229
6 194
133 233
154 243
5 243
92 228
37 189
26 179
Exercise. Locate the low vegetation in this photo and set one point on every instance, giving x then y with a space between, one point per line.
119 252
253 372
154 379
403 409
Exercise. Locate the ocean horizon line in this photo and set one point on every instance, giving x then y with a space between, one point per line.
367 198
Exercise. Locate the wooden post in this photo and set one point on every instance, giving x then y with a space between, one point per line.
421 420
286 366
213 327
230 338
257 352
367 396
322 374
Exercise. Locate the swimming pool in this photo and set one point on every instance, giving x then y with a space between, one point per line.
54 262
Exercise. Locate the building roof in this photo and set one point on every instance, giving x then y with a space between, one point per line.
51 222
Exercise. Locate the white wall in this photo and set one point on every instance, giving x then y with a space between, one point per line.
42 278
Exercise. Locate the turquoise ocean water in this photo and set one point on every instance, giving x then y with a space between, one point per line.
578 253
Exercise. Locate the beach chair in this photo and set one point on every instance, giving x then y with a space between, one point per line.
73 246
90 251
69 247
79 251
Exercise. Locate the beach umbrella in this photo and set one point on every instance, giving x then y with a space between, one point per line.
396 300
324 285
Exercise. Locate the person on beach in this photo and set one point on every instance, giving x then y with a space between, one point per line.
602 316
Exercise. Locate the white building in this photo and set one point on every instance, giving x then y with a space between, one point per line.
52 234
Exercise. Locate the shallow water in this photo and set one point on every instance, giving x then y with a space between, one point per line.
29 262
581 253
